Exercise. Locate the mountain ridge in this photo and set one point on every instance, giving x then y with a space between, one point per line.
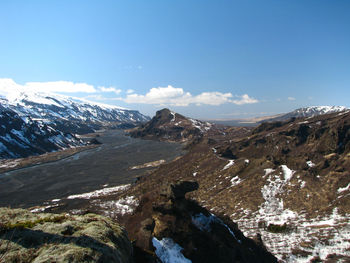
34 122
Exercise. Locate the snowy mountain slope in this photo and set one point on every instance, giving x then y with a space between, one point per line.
311 111
52 107
34 122
24 137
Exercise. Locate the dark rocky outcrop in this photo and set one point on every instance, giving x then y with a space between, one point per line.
170 126
203 236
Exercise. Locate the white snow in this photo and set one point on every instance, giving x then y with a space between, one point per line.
236 180
230 163
310 163
272 209
268 171
168 251
174 116
100 192
8 163
122 206
288 173
343 189
194 174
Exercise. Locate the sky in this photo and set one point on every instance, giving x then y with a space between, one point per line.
204 59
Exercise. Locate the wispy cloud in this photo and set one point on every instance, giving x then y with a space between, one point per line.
291 98
178 97
245 99
129 91
110 89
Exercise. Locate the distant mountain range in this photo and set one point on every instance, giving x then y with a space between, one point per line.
34 123
306 112
298 113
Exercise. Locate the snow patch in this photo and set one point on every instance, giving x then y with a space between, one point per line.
100 192
230 163
343 189
268 171
310 163
236 181
288 173
168 251
122 206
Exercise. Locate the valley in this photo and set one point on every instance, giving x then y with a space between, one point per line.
280 189
106 164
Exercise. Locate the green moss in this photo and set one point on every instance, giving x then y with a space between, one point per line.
31 224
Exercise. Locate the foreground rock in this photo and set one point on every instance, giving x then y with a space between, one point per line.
28 237
179 229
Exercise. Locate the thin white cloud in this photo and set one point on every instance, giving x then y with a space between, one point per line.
291 98
110 89
212 98
245 99
129 91
178 97
59 86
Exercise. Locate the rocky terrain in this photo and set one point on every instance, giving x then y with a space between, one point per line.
237 195
34 123
28 237
286 181
170 126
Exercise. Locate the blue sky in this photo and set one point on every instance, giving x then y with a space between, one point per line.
205 59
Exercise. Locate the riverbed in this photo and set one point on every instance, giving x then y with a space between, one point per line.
109 164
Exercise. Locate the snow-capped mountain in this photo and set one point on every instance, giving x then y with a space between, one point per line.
52 107
36 122
22 137
311 111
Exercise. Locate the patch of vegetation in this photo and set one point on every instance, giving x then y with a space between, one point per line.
274 228
31 224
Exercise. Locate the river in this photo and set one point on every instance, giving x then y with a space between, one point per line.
86 171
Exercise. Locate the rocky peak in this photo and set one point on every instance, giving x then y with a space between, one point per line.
167 125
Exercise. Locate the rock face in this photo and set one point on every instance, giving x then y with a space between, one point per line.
170 126
170 220
28 237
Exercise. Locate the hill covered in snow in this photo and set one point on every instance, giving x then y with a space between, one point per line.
37 122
